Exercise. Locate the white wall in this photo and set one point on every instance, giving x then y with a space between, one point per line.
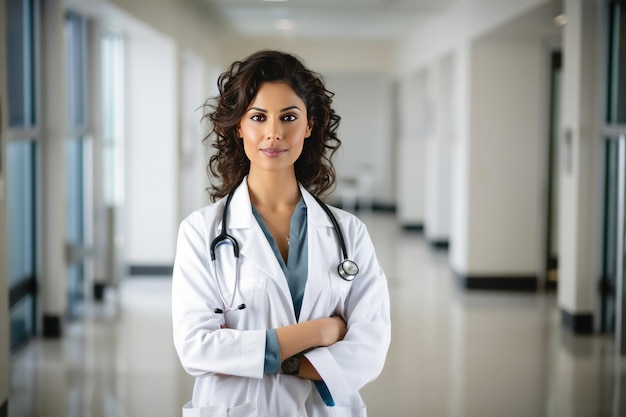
505 139
364 103
461 24
166 42
151 149
324 56
185 21
486 80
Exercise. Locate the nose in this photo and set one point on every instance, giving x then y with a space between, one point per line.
274 129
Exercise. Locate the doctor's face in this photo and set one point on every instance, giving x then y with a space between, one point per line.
274 128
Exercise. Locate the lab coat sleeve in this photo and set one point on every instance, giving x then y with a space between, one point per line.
202 345
359 358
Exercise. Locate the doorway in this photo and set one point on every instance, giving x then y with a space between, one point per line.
612 295
551 255
613 239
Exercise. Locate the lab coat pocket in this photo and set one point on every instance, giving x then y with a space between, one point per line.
245 410
340 289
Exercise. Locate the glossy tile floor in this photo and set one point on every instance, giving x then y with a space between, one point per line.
453 353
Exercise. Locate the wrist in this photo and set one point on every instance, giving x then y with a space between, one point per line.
291 366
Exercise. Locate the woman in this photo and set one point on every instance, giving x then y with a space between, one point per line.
272 326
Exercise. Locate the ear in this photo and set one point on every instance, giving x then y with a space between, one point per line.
309 129
239 131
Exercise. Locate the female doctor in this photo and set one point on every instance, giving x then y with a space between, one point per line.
280 307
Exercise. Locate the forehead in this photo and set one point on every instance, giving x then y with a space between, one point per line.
276 93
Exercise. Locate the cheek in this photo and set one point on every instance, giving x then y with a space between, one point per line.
244 131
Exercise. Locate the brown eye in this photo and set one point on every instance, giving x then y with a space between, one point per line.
289 118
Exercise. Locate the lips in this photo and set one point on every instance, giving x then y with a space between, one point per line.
273 152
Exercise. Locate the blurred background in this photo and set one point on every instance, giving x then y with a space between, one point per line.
484 145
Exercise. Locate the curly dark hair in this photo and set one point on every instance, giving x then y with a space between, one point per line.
237 88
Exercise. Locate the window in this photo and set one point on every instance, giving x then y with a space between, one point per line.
22 148
77 122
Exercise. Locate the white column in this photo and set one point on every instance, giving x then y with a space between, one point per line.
579 147
193 179
411 146
53 293
496 166
151 217
98 215
459 150
438 157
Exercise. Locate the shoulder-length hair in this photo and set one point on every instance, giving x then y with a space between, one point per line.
238 86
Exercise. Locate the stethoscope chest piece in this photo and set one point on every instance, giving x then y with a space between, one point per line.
348 269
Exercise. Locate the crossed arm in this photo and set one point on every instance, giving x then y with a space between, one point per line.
299 337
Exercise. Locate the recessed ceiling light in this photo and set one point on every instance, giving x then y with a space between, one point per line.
284 24
274 1
560 20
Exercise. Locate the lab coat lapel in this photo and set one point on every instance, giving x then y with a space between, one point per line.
322 245
253 245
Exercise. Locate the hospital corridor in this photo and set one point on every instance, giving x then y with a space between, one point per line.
483 145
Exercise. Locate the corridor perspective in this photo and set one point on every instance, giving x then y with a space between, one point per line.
483 143
452 353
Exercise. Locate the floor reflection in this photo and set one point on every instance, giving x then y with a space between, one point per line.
453 353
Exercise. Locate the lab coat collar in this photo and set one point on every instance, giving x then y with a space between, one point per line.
240 214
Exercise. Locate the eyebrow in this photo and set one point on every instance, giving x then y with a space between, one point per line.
281 110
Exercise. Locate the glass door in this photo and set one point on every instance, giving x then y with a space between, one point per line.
75 226
21 175
22 147
612 284
613 295
75 47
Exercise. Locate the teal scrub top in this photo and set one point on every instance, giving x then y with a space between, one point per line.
296 271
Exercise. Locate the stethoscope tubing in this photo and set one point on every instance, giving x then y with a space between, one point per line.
347 268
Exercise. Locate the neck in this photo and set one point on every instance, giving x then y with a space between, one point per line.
273 190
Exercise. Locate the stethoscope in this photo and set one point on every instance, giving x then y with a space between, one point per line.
347 268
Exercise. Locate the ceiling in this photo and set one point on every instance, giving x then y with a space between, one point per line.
324 19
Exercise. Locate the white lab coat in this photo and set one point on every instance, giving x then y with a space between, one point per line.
228 362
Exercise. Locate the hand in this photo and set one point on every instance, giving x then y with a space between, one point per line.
334 329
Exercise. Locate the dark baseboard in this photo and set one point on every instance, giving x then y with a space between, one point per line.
150 270
551 286
383 208
498 282
52 327
413 227
98 291
4 409
441 244
377 207
577 323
